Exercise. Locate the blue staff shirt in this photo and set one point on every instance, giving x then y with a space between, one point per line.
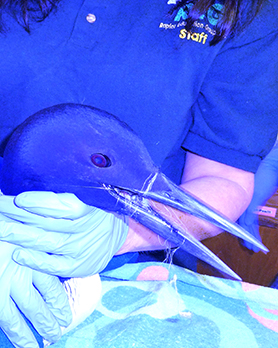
138 62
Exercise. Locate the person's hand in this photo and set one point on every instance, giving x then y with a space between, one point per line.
40 297
67 237
266 183
249 221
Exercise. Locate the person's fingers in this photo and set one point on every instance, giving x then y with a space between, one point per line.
34 307
15 327
55 296
61 266
59 214
49 204
254 230
249 221
8 208
35 238
46 223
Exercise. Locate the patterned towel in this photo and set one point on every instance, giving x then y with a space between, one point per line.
160 305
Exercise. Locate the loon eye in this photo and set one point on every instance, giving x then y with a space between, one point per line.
100 160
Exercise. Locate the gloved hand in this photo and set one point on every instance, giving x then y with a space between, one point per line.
79 240
249 221
40 297
266 183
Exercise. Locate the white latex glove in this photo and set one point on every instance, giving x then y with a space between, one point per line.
68 238
40 297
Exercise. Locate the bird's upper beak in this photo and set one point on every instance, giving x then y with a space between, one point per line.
159 188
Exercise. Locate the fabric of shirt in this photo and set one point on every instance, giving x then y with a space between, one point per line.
138 62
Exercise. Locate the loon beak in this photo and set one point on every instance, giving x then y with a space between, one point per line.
136 204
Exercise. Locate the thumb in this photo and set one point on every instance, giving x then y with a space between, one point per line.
50 204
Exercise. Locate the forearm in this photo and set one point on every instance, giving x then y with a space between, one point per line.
223 195
140 238
226 199
226 189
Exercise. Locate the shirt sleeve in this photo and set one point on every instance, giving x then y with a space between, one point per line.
235 117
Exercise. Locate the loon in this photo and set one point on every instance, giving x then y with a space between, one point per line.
88 152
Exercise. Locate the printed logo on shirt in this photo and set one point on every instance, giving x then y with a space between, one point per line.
203 28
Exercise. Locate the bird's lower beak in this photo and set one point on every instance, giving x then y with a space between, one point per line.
160 189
